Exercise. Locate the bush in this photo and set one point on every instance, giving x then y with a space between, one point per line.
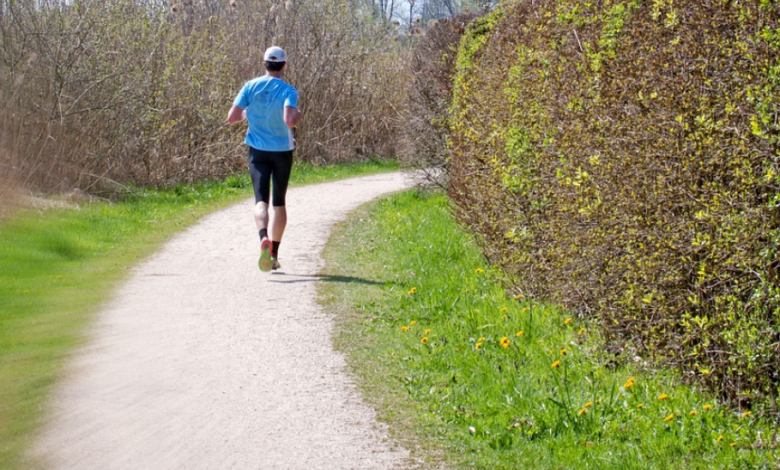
621 158
101 93
426 115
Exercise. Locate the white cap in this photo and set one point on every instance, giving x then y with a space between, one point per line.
275 54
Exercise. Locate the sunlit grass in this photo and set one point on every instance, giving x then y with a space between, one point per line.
488 379
58 266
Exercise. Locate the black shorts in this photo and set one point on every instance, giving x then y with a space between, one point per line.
269 169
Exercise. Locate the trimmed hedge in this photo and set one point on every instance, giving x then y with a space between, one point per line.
622 158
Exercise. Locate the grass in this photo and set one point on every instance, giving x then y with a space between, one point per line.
57 266
468 374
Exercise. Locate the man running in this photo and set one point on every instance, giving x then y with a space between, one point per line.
270 106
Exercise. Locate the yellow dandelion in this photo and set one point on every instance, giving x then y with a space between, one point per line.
504 342
669 418
479 270
427 332
519 333
720 438
567 321
481 339
412 291
629 383
582 331
582 412
588 404
707 407
424 340
733 444
564 351
524 310
477 346
663 396
746 414
640 406
503 309
518 296
556 364
693 413
404 329
412 323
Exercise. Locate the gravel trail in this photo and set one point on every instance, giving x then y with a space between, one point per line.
201 361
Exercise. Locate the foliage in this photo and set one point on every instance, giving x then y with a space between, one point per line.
622 158
100 93
505 382
426 113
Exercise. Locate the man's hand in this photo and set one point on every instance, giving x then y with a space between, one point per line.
291 116
236 114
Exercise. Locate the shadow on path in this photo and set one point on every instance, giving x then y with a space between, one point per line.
297 278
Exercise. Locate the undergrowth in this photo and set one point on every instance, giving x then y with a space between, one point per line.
461 368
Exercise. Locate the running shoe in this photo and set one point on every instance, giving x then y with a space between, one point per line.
265 263
275 264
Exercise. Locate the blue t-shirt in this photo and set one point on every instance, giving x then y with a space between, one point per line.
264 99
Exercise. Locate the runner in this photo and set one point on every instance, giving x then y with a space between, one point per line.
270 106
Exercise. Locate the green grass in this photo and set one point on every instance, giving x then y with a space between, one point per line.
425 325
58 266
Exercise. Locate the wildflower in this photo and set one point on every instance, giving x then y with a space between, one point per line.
563 352
481 339
640 406
746 414
733 444
582 331
519 333
518 296
707 407
720 438
412 323
524 310
588 404
503 309
693 413
477 346
427 332
424 340
669 418
404 329
504 342
582 412
479 271
567 321
556 364
412 291
663 396
629 383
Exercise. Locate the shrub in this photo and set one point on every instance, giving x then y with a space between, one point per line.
426 122
101 93
622 158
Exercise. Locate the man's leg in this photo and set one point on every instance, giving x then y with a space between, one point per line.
279 223
261 216
260 171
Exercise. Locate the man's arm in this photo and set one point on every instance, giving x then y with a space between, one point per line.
236 114
291 116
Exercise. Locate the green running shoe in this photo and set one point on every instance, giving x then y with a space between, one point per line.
265 263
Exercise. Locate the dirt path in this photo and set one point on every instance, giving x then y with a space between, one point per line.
203 362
